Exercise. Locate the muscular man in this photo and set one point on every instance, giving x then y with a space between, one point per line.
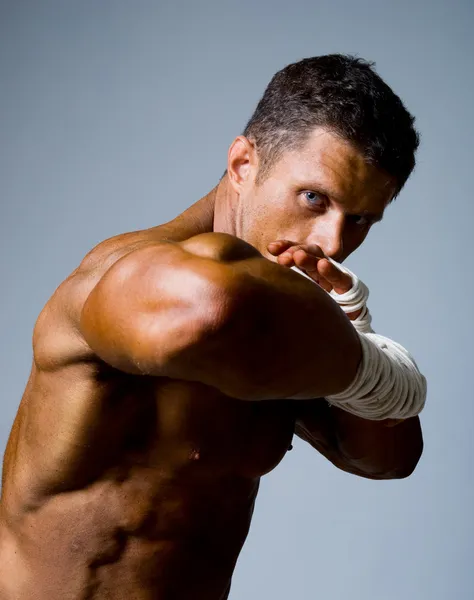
174 365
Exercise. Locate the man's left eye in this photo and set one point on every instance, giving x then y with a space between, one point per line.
359 220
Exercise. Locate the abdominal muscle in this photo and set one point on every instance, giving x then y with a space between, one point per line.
163 517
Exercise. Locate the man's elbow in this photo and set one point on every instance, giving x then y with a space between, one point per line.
407 469
409 463
399 472
400 467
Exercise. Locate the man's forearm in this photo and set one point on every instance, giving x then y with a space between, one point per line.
388 383
366 448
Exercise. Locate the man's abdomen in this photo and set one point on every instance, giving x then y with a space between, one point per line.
168 515
108 542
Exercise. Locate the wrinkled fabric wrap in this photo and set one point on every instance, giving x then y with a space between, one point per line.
388 384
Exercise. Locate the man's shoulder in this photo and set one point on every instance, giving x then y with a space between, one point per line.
57 338
105 254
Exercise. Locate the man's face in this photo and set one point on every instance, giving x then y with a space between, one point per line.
323 194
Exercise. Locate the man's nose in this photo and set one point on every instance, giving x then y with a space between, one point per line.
329 236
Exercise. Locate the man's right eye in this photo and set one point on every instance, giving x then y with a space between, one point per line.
314 199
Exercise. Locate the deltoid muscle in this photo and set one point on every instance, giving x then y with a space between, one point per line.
388 384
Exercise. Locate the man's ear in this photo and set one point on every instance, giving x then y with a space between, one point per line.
241 162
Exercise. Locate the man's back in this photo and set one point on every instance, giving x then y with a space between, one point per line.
126 486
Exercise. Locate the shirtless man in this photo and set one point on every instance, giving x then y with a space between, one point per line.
174 365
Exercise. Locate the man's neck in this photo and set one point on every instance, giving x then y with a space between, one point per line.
213 212
224 208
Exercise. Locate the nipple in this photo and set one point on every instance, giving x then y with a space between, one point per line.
194 455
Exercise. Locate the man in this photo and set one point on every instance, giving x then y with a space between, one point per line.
174 365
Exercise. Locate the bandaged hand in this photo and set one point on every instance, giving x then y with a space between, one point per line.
388 386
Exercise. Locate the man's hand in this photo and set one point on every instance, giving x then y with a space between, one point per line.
311 259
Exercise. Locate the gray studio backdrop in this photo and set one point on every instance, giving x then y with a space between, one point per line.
115 116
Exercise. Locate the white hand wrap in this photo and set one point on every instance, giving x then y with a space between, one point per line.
354 299
388 384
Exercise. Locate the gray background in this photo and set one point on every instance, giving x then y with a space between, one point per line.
115 116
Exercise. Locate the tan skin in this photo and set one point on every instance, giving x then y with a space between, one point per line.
171 371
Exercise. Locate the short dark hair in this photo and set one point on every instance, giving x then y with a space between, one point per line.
344 94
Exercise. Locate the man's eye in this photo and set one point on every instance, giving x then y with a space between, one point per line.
360 220
314 199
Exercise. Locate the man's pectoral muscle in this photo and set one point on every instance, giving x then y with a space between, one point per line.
366 448
213 310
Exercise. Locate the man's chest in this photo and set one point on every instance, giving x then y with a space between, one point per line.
190 427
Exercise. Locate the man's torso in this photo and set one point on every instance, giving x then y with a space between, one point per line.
120 486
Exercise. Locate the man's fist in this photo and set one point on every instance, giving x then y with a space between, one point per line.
312 260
